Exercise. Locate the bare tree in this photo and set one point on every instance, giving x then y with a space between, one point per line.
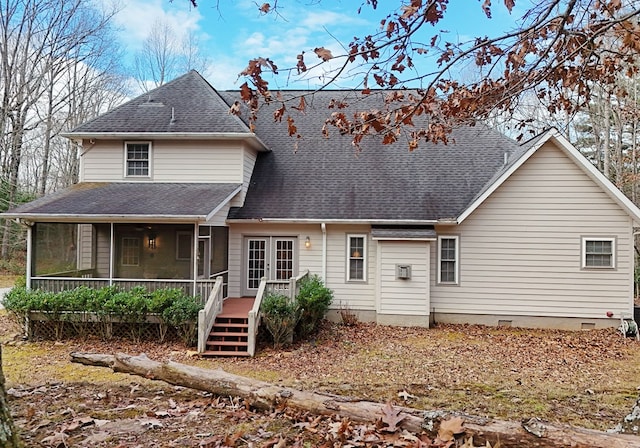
36 39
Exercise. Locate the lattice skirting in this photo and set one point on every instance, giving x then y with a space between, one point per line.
41 327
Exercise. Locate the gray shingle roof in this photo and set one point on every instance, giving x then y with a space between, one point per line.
130 200
311 178
326 179
197 107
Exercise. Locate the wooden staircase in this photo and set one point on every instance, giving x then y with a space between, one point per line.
230 331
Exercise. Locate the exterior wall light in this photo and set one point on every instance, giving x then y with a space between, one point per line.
307 242
152 241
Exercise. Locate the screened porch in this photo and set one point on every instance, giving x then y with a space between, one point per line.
67 255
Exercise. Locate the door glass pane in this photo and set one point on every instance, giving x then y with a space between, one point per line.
284 259
256 262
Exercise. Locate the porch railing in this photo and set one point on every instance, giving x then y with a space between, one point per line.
58 283
289 288
207 316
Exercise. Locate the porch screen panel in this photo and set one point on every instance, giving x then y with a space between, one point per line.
256 259
284 259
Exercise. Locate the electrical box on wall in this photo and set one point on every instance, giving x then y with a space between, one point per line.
403 271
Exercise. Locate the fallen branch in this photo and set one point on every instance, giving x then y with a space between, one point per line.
263 395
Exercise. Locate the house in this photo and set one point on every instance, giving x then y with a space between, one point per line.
176 191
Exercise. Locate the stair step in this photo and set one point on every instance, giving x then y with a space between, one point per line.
227 343
228 334
226 337
231 325
232 319
223 353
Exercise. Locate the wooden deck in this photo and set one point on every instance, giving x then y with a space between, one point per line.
237 306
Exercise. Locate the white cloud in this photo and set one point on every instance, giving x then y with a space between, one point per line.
136 18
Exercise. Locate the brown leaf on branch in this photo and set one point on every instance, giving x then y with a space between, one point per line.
301 66
265 8
323 53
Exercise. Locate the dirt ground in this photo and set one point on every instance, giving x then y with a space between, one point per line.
585 378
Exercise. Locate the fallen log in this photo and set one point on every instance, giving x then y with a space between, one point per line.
263 395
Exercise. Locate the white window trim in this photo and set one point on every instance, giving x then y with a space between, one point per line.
364 257
457 259
136 142
139 246
583 255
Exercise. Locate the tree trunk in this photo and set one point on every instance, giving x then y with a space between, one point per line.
8 435
263 395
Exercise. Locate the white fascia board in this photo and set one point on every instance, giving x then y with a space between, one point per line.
489 191
223 203
253 140
53 217
398 222
397 238
575 155
597 176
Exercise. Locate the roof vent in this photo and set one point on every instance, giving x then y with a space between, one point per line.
506 157
173 116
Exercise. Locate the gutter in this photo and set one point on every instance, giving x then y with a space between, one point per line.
323 227
26 218
337 221
250 137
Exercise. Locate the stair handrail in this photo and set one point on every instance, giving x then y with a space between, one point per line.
254 314
254 318
207 315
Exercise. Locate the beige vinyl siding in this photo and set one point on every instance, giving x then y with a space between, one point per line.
171 161
403 296
358 295
102 161
520 251
197 161
85 246
102 250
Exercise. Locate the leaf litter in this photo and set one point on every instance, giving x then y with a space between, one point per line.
590 377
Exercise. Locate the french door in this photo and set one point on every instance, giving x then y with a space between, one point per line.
270 257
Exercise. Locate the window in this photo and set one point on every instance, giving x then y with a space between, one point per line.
448 259
130 251
184 245
137 156
357 247
598 252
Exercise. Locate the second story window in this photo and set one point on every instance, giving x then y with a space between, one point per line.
138 156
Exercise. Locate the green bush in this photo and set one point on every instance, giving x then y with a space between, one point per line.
280 316
183 315
313 299
172 305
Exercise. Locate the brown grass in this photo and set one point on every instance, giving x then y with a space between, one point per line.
585 378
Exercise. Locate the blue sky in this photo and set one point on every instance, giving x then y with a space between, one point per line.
237 32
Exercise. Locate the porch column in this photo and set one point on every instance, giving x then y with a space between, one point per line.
29 254
111 254
195 257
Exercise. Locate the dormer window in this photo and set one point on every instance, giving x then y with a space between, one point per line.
137 158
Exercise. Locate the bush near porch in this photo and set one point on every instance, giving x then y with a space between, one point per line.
105 312
287 320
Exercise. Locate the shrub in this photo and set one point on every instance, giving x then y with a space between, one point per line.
183 315
131 307
280 316
313 299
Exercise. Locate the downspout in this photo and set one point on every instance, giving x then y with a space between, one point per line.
29 255
112 245
196 231
323 226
